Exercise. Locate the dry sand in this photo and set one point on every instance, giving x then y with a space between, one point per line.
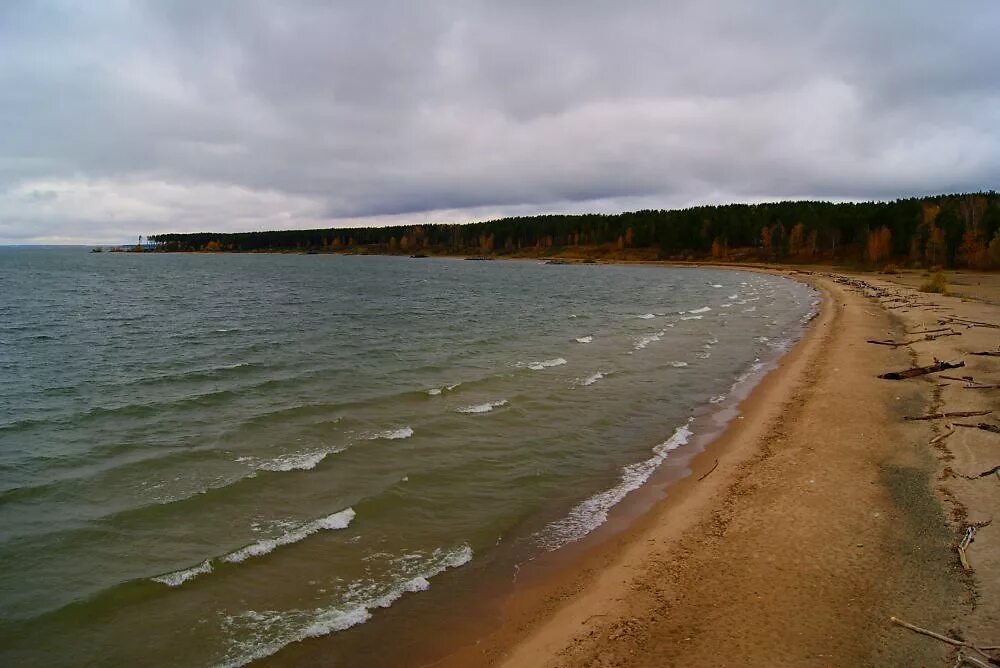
828 513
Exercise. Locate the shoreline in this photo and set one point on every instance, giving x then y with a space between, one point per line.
651 594
673 489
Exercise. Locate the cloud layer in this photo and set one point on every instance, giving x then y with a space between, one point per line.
122 118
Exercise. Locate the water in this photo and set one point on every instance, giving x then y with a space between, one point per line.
204 459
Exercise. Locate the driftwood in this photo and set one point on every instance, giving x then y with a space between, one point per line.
928 337
984 474
967 322
988 353
971 383
955 642
940 437
921 370
929 331
938 416
715 466
985 426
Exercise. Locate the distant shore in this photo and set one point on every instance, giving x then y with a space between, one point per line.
816 517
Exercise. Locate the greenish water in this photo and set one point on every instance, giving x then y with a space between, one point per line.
206 458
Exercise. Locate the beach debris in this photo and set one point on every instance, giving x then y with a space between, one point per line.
971 383
970 535
940 437
985 474
981 650
985 426
929 331
988 353
922 370
967 322
714 466
938 416
928 337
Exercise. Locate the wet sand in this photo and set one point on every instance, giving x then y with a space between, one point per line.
826 514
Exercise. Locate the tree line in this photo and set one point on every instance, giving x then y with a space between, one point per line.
960 230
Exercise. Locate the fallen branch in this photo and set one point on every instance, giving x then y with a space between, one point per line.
985 426
970 323
988 353
984 474
940 437
921 370
929 331
715 466
938 416
951 641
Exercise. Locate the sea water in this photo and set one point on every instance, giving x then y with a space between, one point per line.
205 459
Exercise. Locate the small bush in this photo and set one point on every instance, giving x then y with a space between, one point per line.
890 269
937 283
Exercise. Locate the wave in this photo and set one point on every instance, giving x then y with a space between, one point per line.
434 391
544 364
177 578
336 521
646 316
679 365
585 339
340 520
644 341
692 317
733 297
393 434
717 399
483 408
590 380
265 633
703 309
593 512
301 461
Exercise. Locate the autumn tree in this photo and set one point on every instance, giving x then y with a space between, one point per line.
879 244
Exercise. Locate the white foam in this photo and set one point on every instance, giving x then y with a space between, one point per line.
733 297
336 521
483 408
692 317
590 380
260 634
393 434
644 341
585 339
545 364
717 399
703 309
679 365
438 390
716 285
434 391
593 512
647 316
296 461
177 578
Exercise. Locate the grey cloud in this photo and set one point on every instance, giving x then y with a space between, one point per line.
325 113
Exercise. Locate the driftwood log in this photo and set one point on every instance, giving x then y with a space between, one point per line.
938 416
921 370
985 426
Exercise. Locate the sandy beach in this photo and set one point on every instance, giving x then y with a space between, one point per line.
821 513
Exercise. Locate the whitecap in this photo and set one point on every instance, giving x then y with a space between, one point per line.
544 364
177 578
585 339
336 521
703 309
393 434
646 316
692 317
483 408
644 341
300 461
256 635
716 285
590 380
679 365
434 391
593 512
733 297
719 398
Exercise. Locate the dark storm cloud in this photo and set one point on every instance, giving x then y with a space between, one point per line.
127 117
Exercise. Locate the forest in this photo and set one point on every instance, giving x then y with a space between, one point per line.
959 230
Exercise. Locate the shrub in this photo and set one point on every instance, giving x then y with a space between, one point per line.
937 283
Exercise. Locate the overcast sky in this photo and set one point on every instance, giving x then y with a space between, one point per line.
121 118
